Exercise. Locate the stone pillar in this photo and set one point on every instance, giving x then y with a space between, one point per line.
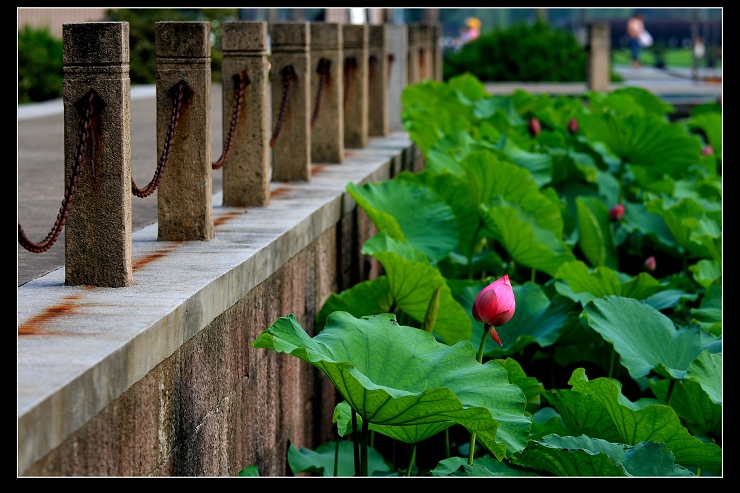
437 56
98 229
397 68
291 147
598 70
426 56
246 174
355 38
327 128
183 52
377 80
413 60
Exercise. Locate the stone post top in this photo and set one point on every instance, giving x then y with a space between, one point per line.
290 35
244 36
95 43
355 35
377 35
182 39
326 35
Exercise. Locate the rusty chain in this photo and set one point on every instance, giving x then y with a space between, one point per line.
289 76
182 93
350 66
83 136
241 81
372 64
323 70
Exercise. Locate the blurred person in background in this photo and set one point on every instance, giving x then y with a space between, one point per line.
636 29
470 31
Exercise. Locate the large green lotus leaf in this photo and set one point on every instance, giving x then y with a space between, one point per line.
641 421
494 180
412 285
370 297
692 403
645 102
408 286
706 272
502 104
706 370
584 284
639 220
249 471
709 313
531 387
382 242
468 88
594 232
525 242
398 376
432 110
412 434
482 466
449 187
707 190
695 228
411 212
539 164
710 123
586 456
445 155
321 460
645 338
647 141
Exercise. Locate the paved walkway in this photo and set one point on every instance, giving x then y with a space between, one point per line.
40 180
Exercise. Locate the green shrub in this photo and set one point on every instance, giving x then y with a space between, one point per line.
40 66
520 52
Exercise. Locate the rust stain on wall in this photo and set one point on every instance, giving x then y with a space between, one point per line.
138 264
226 217
35 325
278 191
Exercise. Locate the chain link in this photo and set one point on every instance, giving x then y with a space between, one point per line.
289 76
372 68
183 91
324 75
241 81
83 136
350 66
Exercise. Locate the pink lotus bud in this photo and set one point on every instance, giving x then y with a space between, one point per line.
650 263
573 126
616 212
495 305
534 127
707 151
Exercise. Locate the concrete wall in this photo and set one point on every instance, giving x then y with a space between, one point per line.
159 378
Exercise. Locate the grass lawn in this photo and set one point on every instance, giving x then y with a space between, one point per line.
674 58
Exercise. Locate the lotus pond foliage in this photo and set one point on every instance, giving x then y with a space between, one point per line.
605 220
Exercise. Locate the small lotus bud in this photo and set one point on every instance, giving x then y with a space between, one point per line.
650 263
573 126
707 151
495 305
616 212
534 127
